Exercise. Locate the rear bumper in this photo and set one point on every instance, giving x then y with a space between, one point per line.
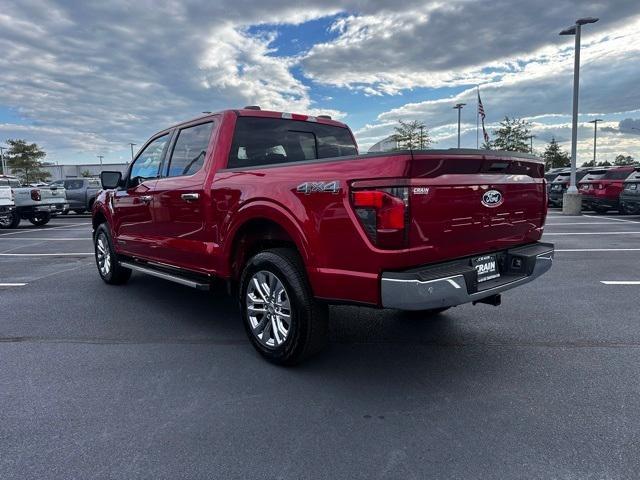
455 283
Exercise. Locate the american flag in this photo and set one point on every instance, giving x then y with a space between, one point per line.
482 116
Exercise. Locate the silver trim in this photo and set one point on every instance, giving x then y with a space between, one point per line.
190 197
413 294
166 276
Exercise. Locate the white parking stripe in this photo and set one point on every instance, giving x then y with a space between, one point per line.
597 250
618 282
579 223
31 230
12 284
86 239
591 233
46 254
613 218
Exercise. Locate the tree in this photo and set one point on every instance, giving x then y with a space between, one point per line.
24 160
412 135
622 160
85 173
554 156
512 136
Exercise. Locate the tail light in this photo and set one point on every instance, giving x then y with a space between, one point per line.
35 195
383 213
599 186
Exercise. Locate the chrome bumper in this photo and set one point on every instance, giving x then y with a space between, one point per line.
407 291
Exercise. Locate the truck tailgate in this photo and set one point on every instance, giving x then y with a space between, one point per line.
52 195
466 206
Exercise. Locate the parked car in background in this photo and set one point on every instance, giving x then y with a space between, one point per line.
551 174
7 204
36 204
630 196
601 189
560 184
282 208
81 192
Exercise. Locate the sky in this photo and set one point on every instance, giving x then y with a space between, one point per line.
86 78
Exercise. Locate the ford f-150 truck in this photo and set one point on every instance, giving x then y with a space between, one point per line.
81 192
282 208
36 204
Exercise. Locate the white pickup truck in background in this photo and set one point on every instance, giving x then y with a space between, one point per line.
36 204
7 206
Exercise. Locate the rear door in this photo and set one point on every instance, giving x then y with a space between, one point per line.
180 199
75 193
133 226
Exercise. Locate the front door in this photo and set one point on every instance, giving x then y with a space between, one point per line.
134 230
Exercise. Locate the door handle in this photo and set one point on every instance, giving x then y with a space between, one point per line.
145 198
190 197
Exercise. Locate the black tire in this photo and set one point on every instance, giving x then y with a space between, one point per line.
308 318
79 211
600 210
65 212
115 274
40 219
11 221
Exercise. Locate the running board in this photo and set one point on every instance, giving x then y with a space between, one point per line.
198 285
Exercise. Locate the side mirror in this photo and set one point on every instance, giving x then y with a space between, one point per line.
110 180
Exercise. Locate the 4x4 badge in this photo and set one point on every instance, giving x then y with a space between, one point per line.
319 187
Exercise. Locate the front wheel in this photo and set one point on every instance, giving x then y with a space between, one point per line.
40 219
10 221
109 268
283 320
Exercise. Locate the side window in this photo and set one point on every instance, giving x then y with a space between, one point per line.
94 184
147 165
190 150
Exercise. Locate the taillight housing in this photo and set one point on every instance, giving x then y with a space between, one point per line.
384 215
35 195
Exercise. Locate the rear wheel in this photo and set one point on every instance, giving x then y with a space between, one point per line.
283 320
107 260
40 219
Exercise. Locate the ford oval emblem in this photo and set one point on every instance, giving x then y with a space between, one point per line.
492 198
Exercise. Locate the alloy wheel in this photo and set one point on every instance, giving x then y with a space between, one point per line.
268 309
103 255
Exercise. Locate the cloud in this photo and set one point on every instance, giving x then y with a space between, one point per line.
630 125
437 44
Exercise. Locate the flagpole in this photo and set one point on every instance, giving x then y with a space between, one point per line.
478 118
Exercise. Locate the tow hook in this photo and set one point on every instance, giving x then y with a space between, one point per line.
494 300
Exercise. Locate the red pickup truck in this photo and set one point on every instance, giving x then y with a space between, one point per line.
282 208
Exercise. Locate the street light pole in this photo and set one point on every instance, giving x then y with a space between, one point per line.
459 108
132 145
4 167
595 137
573 206
531 137
100 157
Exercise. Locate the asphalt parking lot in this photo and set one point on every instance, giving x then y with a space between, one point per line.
155 380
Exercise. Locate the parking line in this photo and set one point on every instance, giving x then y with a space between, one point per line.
597 250
591 233
620 282
46 254
579 223
51 239
12 284
613 218
31 230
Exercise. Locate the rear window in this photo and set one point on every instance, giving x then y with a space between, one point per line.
593 176
73 184
265 141
616 174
